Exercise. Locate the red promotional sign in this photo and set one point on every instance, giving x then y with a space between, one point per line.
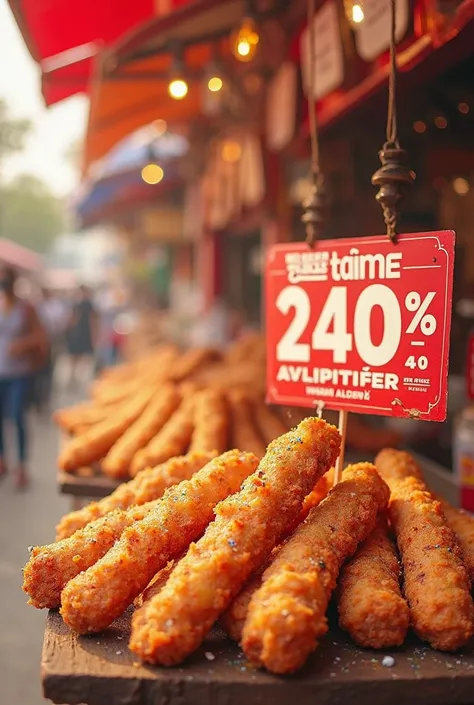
361 324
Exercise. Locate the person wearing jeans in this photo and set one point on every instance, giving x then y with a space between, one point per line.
23 347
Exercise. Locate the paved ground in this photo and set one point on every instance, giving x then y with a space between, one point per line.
25 519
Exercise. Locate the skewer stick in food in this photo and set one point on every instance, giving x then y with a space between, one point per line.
173 439
117 461
436 583
92 600
370 603
287 614
248 524
148 485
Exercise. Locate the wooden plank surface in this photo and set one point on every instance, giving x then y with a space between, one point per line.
94 485
99 670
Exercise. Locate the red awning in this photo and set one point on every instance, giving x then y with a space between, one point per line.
63 35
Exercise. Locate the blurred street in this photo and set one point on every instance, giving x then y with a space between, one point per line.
27 518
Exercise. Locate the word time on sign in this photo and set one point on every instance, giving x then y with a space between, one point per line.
362 324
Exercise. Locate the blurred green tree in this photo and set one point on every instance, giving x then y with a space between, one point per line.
13 132
32 215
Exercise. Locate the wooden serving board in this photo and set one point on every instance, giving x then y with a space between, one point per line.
100 670
93 484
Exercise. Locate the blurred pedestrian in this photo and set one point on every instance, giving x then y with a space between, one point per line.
81 336
23 348
53 313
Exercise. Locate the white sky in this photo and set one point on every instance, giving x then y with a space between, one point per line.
54 129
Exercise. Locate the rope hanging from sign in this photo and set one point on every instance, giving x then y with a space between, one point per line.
314 205
394 175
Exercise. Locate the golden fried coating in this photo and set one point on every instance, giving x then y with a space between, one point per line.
173 439
117 461
155 585
244 433
211 422
191 361
97 441
148 485
436 583
462 524
234 617
51 567
370 603
80 416
287 614
92 600
268 423
248 524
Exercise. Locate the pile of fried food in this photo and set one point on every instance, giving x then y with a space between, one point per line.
263 546
168 403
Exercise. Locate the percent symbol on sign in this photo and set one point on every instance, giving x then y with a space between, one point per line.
425 321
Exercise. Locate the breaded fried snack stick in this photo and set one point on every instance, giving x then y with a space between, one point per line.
172 439
436 583
211 422
97 441
244 433
173 623
92 600
51 567
462 524
117 461
287 614
148 485
370 603
268 423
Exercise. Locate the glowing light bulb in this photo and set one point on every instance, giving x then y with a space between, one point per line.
463 108
152 174
357 14
215 84
354 11
245 40
461 186
231 151
441 122
178 89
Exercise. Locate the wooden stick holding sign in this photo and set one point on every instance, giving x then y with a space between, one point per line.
342 426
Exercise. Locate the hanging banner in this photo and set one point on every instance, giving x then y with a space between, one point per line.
329 52
361 325
372 36
281 107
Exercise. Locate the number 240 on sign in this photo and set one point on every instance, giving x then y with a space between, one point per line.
361 324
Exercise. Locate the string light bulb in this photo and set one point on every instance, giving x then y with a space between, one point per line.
215 84
152 174
178 88
354 11
245 40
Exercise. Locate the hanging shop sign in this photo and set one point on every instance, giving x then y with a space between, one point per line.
328 53
372 36
361 324
164 224
281 107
